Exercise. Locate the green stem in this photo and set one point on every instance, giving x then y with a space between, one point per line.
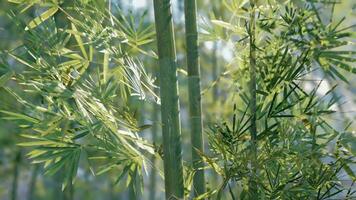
33 180
253 104
17 161
69 191
152 195
132 193
190 10
172 150
112 190
215 69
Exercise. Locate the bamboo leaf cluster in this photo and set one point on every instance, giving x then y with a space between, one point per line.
281 144
78 82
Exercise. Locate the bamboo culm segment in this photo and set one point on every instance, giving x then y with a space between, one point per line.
190 10
172 158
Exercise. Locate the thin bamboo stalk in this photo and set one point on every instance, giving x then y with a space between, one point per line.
69 192
14 188
132 193
215 69
196 123
253 105
33 181
153 174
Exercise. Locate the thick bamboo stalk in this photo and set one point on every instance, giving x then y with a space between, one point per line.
253 105
172 150
190 10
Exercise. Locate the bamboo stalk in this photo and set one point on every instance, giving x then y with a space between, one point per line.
132 193
253 105
69 191
153 174
215 69
33 181
190 10
172 158
112 190
14 188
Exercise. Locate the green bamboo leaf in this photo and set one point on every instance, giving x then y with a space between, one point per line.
349 172
81 134
106 169
123 173
22 61
19 116
229 26
348 140
55 166
144 127
106 65
70 64
16 1
36 143
35 153
344 66
80 42
206 195
338 74
6 77
43 17
212 163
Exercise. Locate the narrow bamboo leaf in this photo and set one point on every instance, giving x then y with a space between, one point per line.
81 134
229 26
122 174
55 167
145 126
21 61
16 1
36 143
348 140
106 66
80 42
6 77
106 169
338 74
349 172
344 66
43 17
19 116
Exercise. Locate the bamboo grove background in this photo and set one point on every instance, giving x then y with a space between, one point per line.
181 99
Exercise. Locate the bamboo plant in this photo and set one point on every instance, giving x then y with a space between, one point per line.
79 74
